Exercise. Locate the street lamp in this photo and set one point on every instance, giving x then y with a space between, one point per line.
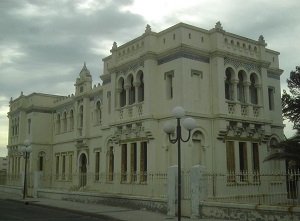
189 124
26 150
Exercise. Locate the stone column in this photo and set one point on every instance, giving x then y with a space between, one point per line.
127 88
247 92
37 177
234 85
259 96
172 190
198 189
118 92
136 88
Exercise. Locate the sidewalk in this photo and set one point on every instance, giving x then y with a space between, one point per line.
119 213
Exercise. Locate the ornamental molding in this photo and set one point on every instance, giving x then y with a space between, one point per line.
80 144
188 55
273 75
238 64
134 68
130 133
241 131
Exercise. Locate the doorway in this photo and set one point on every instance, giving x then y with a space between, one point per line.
82 170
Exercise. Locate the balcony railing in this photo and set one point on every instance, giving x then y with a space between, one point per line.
129 111
246 110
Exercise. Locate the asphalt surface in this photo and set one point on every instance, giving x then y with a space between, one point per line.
13 207
13 210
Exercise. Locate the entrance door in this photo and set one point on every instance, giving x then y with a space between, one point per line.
82 170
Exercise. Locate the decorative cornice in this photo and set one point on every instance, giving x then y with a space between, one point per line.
273 76
188 55
133 67
238 64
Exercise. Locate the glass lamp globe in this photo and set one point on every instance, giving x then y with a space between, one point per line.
189 123
178 112
27 143
169 128
29 149
23 149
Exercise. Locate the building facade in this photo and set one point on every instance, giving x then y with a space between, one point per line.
3 164
228 83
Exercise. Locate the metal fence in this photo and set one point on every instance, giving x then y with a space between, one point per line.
148 185
254 188
11 179
250 188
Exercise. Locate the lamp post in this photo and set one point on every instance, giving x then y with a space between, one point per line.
189 124
26 150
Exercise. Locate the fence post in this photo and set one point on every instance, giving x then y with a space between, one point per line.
37 176
198 189
171 192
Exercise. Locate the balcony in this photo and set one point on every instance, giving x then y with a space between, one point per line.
244 109
129 112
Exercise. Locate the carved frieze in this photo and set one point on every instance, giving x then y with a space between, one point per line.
238 64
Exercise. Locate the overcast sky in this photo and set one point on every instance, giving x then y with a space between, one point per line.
43 44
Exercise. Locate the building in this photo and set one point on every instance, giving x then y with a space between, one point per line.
3 164
228 83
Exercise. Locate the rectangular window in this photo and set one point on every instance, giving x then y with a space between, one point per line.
97 166
111 164
255 162
143 162
19 164
70 166
196 77
109 101
133 162
124 163
169 84
41 159
57 167
29 126
230 161
271 91
63 177
243 161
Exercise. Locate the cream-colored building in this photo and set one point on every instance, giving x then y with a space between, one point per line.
3 164
228 83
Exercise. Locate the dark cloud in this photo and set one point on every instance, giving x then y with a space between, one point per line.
54 38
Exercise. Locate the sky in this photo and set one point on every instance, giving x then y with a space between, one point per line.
44 44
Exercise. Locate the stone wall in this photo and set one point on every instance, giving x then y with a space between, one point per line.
157 205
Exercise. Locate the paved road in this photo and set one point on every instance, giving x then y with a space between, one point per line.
10 210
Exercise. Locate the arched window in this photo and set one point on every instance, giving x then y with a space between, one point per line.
98 112
141 87
65 121
198 157
122 94
71 119
13 127
58 123
41 161
80 116
110 161
240 87
253 89
131 92
228 84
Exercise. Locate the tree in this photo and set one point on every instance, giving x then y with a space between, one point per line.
289 149
291 101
